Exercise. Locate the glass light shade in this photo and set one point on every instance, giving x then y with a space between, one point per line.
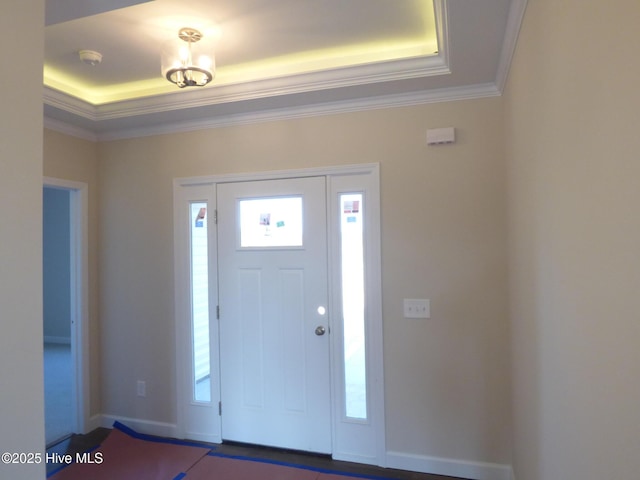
188 60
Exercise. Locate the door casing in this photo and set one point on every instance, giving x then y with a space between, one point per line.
352 440
79 239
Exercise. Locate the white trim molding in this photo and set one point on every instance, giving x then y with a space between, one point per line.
514 23
343 77
397 460
449 467
268 98
305 111
148 427
164 113
356 441
169 126
68 129
79 268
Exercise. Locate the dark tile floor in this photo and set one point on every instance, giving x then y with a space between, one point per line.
81 443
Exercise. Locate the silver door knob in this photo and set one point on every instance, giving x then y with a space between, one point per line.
320 330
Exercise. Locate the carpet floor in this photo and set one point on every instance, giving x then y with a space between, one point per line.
57 392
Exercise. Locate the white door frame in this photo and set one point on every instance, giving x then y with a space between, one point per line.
353 440
79 269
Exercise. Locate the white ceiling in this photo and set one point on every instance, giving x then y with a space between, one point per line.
275 59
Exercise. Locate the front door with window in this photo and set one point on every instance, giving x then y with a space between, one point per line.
274 345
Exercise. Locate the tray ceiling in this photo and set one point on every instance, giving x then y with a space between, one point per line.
275 58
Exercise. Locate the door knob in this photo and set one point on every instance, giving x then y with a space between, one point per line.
320 330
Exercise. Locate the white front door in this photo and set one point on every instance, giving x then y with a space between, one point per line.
274 332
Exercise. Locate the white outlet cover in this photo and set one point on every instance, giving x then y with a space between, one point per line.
417 308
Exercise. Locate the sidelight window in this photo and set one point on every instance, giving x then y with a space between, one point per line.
200 303
353 302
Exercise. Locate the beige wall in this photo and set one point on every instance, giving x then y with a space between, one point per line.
70 158
569 125
443 238
572 115
21 378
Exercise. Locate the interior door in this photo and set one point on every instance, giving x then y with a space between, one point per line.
274 346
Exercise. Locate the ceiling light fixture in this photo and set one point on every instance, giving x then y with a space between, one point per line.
188 61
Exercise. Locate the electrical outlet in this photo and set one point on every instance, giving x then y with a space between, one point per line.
142 388
417 308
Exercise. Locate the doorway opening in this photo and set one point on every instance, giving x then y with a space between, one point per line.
64 308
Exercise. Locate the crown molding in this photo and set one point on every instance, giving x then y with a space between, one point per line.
427 65
68 103
68 129
388 71
379 72
442 29
329 108
512 32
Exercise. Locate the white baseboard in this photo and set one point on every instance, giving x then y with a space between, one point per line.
402 461
449 467
148 427
59 340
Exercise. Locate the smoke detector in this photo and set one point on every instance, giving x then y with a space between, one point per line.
90 57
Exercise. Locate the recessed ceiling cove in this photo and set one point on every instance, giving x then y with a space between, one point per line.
268 54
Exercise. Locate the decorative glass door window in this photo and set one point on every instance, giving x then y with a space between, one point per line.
353 297
271 222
